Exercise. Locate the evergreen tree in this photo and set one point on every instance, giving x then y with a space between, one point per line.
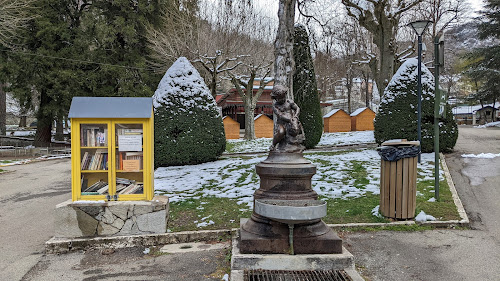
188 125
484 62
305 89
397 115
82 48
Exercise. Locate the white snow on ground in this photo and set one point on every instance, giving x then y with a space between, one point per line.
423 217
26 161
376 212
234 177
346 138
481 155
327 139
492 124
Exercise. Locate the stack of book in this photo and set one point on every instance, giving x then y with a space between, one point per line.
100 187
97 161
126 186
127 156
93 136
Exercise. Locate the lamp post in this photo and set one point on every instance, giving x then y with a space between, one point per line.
419 27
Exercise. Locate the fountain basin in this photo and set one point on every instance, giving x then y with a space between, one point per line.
290 211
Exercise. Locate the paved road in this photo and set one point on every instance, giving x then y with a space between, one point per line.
446 254
28 195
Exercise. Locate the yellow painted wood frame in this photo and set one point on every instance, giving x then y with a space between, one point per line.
148 159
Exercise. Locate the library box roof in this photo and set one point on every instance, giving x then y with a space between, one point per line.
110 107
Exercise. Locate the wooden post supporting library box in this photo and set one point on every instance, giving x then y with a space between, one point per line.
112 148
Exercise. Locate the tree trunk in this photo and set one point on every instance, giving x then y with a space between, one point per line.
59 129
44 122
22 121
349 90
3 110
283 46
249 121
367 92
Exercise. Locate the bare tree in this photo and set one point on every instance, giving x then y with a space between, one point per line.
245 89
283 46
210 37
381 18
14 14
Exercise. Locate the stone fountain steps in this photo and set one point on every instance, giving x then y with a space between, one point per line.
305 262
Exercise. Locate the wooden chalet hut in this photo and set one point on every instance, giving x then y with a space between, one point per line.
263 126
362 119
231 103
337 120
486 114
231 128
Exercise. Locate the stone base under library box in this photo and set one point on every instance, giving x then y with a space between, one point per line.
111 218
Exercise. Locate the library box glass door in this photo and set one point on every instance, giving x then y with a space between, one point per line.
94 160
129 159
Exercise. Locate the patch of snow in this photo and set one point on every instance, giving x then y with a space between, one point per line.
88 202
423 217
146 251
491 124
481 155
376 211
203 224
225 277
347 138
432 200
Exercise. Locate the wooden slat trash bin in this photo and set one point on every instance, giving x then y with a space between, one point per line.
398 178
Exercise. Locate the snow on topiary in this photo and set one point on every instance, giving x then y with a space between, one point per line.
305 89
397 115
188 126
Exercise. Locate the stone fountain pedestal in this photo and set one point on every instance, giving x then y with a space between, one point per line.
286 176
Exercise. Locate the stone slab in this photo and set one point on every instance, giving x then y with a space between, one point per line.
109 218
241 261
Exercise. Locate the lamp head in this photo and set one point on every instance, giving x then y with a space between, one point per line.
420 26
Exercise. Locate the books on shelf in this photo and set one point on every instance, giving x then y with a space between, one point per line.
96 161
126 186
92 136
99 187
130 161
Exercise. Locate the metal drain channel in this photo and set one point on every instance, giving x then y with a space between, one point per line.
302 275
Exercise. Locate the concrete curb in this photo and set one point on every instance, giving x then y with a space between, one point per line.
64 245
460 207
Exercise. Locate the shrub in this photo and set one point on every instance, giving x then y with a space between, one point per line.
305 89
397 115
188 126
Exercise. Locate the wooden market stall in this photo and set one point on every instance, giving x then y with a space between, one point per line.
362 119
263 126
231 128
337 120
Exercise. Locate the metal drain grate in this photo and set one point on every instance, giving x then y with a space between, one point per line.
302 275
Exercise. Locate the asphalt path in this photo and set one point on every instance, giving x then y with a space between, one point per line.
445 254
28 195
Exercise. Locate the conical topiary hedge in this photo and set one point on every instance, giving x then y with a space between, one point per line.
188 126
305 89
397 115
